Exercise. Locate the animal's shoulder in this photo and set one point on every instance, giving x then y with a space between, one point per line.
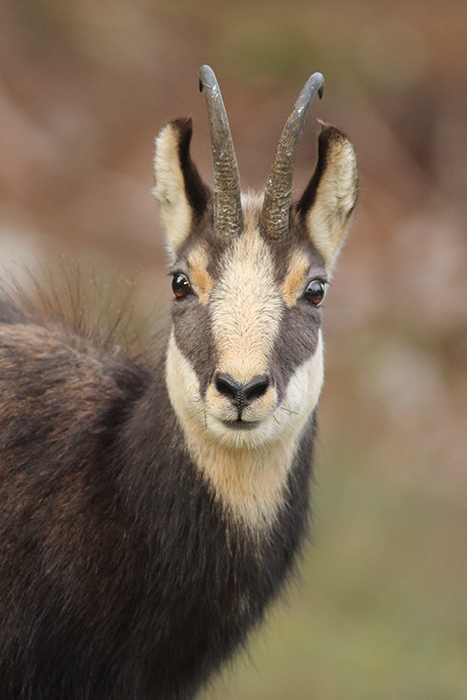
68 313
45 355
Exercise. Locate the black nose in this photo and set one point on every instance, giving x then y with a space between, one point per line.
241 395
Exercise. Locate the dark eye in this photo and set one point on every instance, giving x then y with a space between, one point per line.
314 293
181 286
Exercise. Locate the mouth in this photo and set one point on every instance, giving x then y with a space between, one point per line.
240 424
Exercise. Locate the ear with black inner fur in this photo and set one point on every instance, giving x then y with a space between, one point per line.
183 196
328 202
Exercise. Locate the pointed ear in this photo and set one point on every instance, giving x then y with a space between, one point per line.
328 202
183 196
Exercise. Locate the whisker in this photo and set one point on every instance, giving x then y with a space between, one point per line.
288 410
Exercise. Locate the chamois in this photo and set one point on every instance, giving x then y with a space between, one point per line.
150 512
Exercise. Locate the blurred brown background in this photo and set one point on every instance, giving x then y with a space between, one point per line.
381 611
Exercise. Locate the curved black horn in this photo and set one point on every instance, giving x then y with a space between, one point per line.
227 198
275 213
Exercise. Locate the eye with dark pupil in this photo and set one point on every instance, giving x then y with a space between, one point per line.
181 286
314 293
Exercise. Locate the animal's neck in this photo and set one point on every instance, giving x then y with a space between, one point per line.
249 483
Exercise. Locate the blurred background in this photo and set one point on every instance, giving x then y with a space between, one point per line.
381 609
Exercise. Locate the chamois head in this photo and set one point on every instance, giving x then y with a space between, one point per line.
245 358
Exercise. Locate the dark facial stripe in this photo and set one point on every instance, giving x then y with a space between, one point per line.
296 342
192 328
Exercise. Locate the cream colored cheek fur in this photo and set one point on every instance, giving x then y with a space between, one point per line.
248 470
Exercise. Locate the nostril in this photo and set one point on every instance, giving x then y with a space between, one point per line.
256 388
227 386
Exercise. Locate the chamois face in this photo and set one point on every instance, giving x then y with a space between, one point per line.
246 336
245 360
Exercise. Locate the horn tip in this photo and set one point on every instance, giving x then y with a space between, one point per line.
204 74
317 79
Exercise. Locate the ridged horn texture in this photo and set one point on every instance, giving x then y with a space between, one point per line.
277 198
227 197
